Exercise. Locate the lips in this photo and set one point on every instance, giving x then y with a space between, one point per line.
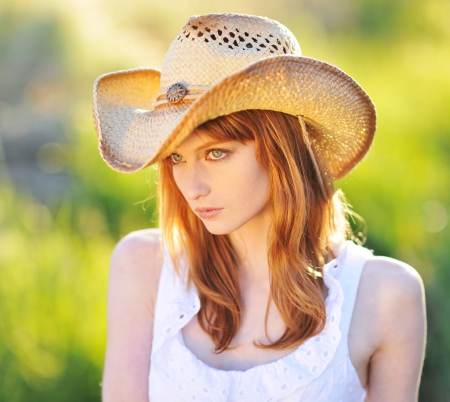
207 212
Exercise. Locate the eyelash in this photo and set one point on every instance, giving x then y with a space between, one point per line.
209 151
224 151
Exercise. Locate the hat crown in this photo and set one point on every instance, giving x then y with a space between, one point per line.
211 47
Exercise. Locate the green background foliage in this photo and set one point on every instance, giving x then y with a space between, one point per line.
62 210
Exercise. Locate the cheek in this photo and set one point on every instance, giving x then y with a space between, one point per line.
179 179
254 188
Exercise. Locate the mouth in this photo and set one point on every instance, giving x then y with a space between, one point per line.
207 212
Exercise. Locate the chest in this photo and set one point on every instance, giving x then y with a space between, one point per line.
243 353
330 366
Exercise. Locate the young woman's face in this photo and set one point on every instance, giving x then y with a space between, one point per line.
222 182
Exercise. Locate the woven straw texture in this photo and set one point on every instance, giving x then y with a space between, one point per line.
229 63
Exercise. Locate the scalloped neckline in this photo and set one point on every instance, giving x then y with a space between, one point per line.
328 301
175 369
279 378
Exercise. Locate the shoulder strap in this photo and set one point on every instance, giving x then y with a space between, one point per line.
165 288
349 275
175 305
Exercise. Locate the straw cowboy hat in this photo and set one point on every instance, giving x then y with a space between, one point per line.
224 63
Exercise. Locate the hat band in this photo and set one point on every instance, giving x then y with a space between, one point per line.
193 92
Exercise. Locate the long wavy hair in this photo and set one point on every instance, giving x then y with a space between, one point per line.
308 216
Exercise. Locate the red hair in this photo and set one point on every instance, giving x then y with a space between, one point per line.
307 214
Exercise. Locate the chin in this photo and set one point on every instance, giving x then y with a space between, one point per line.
219 228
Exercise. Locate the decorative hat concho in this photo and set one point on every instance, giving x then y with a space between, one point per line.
221 64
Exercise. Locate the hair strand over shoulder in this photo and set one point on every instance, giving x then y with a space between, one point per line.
308 216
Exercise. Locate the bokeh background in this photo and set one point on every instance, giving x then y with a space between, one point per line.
62 210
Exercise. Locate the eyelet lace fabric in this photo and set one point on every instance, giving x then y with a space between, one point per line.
191 379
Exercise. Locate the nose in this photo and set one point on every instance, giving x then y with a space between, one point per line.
192 180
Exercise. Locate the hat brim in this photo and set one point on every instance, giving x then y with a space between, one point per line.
339 115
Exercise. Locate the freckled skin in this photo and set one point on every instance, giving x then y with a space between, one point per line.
234 181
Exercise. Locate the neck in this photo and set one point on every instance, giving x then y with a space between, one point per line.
251 245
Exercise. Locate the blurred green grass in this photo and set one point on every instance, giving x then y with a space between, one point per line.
55 247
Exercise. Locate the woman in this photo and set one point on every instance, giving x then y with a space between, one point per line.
250 291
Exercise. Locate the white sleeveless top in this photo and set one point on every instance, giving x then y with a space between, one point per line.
319 370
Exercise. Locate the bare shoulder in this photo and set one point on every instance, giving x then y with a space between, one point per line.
391 280
391 293
142 247
133 284
137 259
387 333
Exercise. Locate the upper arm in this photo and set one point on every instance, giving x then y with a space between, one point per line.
133 282
396 364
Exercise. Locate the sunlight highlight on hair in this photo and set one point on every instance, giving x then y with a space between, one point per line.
309 218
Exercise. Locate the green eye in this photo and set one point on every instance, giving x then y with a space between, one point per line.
216 153
177 158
